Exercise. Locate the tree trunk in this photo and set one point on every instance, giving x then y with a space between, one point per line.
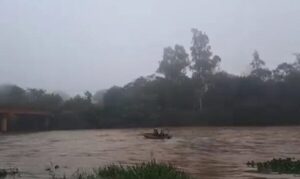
200 103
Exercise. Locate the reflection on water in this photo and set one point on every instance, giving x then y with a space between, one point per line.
205 152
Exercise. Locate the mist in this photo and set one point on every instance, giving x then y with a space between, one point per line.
149 89
74 46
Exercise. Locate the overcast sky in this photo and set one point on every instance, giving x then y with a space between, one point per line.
78 45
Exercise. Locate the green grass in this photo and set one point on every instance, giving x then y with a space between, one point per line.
286 166
148 170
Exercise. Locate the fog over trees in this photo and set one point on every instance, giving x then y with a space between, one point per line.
188 88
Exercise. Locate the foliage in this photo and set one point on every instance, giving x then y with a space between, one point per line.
258 68
15 96
204 64
264 97
283 70
287 166
53 171
174 63
149 170
8 172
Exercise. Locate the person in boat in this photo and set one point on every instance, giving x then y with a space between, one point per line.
155 132
161 132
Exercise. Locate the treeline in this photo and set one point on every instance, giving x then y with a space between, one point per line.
209 96
68 113
206 96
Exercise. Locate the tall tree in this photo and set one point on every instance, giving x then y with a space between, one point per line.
204 64
88 96
174 63
284 70
258 68
257 62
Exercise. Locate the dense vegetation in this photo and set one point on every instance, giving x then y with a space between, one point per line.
8 172
287 166
146 170
187 89
149 170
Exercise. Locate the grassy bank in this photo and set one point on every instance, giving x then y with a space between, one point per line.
148 170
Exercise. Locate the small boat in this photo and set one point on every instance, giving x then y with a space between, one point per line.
153 136
157 135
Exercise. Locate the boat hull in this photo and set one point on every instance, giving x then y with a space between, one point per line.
152 136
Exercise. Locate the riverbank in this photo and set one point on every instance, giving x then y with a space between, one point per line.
146 170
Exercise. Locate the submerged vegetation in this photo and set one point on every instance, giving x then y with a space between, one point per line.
8 172
282 166
188 88
148 170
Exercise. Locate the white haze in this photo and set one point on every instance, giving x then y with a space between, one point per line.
78 45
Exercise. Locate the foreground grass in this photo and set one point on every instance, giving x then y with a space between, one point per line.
148 170
284 166
8 172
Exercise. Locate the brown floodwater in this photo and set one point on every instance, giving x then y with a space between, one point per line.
204 152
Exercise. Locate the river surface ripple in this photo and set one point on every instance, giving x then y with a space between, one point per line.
204 152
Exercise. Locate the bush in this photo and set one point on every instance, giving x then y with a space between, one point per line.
148 170
287 166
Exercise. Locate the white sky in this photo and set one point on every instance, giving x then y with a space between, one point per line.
78 45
